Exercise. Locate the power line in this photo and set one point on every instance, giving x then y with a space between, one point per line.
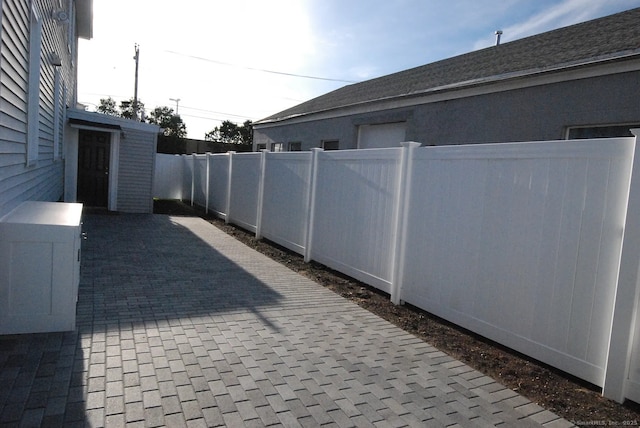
214 112
262 70
107 95
211 118
183 108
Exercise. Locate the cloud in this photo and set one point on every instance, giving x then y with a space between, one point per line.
557 15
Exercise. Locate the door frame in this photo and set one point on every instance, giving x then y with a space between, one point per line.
71 181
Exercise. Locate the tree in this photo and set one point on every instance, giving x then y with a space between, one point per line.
172 124
213 135
230 133
127 111
108 106
246 131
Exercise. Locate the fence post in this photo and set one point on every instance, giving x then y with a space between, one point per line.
400 219
206 197
181 163
311 203
263 162
184 176
193 178
228 202
625 307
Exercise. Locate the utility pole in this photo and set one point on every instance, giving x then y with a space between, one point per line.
135 91
177 100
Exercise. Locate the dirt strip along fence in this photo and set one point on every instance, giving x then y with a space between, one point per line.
534 245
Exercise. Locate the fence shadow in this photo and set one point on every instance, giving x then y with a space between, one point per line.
139 273
42 380
142 268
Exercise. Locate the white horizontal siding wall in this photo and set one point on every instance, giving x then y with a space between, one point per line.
135 171
43 180
521 243
354 218
168 169
245 184
286 199
218 184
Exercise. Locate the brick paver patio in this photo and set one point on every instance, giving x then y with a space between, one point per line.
182 325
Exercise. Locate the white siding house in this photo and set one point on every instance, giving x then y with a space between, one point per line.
49 149
38 68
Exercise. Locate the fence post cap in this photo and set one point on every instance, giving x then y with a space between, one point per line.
410 144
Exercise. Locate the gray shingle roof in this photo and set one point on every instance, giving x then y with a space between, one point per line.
605 38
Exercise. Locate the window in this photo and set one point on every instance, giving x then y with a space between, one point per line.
295 146
331 144
607 131
33 97
277 147
261 147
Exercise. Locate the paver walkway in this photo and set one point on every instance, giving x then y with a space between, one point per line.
182 325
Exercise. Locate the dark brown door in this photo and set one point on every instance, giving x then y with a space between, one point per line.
93 168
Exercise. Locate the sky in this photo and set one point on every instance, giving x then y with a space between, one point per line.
243 60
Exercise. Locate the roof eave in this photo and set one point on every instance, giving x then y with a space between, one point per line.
100 120
84 18
620 56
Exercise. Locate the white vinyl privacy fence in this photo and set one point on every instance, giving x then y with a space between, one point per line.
167 181
533 245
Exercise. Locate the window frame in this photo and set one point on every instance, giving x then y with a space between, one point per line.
71 30
59 103
295 146
328 144
613 127
277 147
33 90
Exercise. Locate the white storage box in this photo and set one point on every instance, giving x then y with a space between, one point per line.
39 267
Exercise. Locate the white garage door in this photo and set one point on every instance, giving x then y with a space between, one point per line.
383 135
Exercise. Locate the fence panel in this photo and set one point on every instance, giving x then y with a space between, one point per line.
165 185
355 208
218 183
521 243
245 184
623 364
286 199
200 180
187 173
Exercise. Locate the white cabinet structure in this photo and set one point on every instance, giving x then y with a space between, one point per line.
39 267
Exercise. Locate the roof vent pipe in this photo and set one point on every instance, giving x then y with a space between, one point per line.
498 34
